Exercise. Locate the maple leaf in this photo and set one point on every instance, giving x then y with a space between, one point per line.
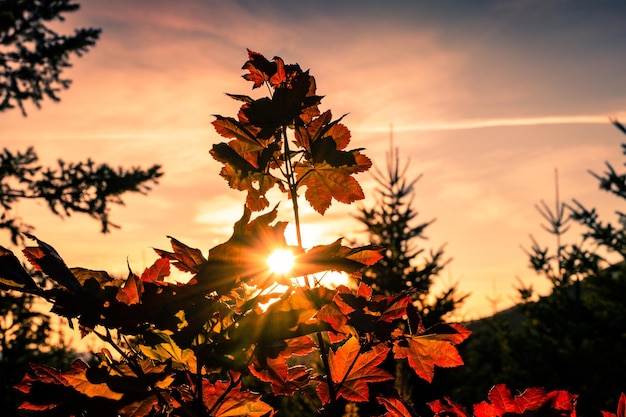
324 182
243 257
425 351
157 272
284 380
227 399
130 292
447 408
395 407
260 69
335 257
184 258
351 370
502 403
164 348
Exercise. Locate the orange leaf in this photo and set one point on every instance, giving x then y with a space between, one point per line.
424 352
352 370
226 399
157 272
395 407
130 292
284 380
325 182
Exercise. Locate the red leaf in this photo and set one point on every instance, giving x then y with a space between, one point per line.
226 399
501 402
284 380
395 407
130 292
447 408
260 69
159 270
352 370
424 352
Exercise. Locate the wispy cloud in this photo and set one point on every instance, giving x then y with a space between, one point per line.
498 122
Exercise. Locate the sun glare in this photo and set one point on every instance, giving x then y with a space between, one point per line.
281 261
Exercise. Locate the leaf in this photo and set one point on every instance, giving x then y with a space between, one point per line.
424 352
334 257
140 408
324 182
157 272
351 370
77 378
167 349
447 408
185 258
395 407
227 399
260 69
502 403
12 273
130 292
284 380
47 260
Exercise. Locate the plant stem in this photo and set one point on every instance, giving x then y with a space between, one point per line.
292 185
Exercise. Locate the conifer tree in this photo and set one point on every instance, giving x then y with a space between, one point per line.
391 223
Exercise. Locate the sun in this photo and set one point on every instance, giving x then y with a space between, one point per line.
281 261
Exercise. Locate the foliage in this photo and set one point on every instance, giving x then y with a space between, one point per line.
26 336
390 224
198 348
236 336
571 339
32 59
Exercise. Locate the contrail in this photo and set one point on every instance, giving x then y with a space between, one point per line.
486 123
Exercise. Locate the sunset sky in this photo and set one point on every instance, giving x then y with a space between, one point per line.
485 98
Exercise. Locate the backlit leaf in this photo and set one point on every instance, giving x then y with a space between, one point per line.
351 370
424 352
395 407
324 182
77 378
227 399
185 258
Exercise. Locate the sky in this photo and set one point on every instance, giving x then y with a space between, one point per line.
484 98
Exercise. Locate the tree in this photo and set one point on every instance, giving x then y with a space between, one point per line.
570 339
32 60
390 224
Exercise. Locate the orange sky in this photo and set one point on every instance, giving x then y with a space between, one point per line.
486 100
